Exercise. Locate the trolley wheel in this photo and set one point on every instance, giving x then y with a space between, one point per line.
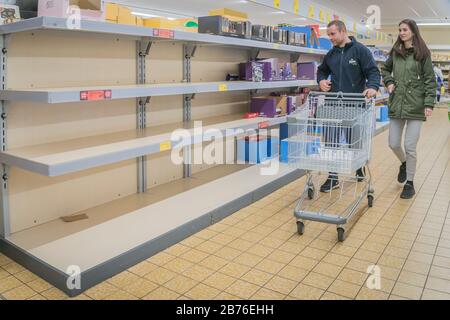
300 227
311 193
341 234
370 200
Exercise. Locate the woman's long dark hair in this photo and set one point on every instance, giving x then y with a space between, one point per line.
421 51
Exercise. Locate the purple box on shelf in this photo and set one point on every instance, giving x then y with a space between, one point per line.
271 107
272 72
288 72
253 71
307 71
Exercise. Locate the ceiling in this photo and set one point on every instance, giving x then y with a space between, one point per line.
392 11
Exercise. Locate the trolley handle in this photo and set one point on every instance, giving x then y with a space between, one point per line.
341 96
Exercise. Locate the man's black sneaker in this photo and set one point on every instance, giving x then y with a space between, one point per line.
361 174
408 191
331 184
402 173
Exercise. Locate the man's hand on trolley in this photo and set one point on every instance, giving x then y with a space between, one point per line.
325 85
370 93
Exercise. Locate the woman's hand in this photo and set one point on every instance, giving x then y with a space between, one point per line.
428 112
391 88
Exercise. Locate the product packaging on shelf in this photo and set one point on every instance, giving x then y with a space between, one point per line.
89 9
9 13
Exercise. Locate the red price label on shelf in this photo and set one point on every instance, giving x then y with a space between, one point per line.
263 125
96 95
163 33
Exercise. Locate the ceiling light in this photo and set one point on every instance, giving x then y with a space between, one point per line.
145 15
437 24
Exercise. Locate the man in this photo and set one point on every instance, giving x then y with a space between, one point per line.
353 70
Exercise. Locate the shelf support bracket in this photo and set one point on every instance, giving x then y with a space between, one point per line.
254 54
294 57
143 48
5 225
188 53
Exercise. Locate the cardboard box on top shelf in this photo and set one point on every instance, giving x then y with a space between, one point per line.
186 24
89 9
125 16
230 14
112 12
9 13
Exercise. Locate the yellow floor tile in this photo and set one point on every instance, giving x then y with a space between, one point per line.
242 289
257 277
214 263
318 281
219 281
143 268
327 269
434 295
192 241
248 259
123 279
266 294
194 255
13 268
304 263
54 294
439 272
345 289
39 285
120 295
25 276
368 294
332 296
226 296
202 292
181 284
160 276
177 250
210 247
304 292
3 273
235 270
281 256
293 273
161 294
351 276
20 293
4 260
411 278
260 250
161 258
269 266
198 273
100 291
228 253
178 265
417 267
9 283
37 297
140 288
438 285
281 285
407 291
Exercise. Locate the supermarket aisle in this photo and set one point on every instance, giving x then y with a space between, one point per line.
257 254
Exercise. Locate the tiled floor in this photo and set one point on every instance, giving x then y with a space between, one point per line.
257 254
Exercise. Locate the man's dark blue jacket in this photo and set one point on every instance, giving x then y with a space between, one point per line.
352 68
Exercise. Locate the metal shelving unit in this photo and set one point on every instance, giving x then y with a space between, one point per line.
66 95
60 24
56 159
43 255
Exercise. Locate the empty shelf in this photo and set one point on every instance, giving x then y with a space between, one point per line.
56 159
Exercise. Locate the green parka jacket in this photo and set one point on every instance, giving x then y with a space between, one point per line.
415 86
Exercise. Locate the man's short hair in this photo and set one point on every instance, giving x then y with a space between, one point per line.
339 24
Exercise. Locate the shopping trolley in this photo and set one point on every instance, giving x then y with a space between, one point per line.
332 133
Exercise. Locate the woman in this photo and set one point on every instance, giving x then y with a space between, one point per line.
409 77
